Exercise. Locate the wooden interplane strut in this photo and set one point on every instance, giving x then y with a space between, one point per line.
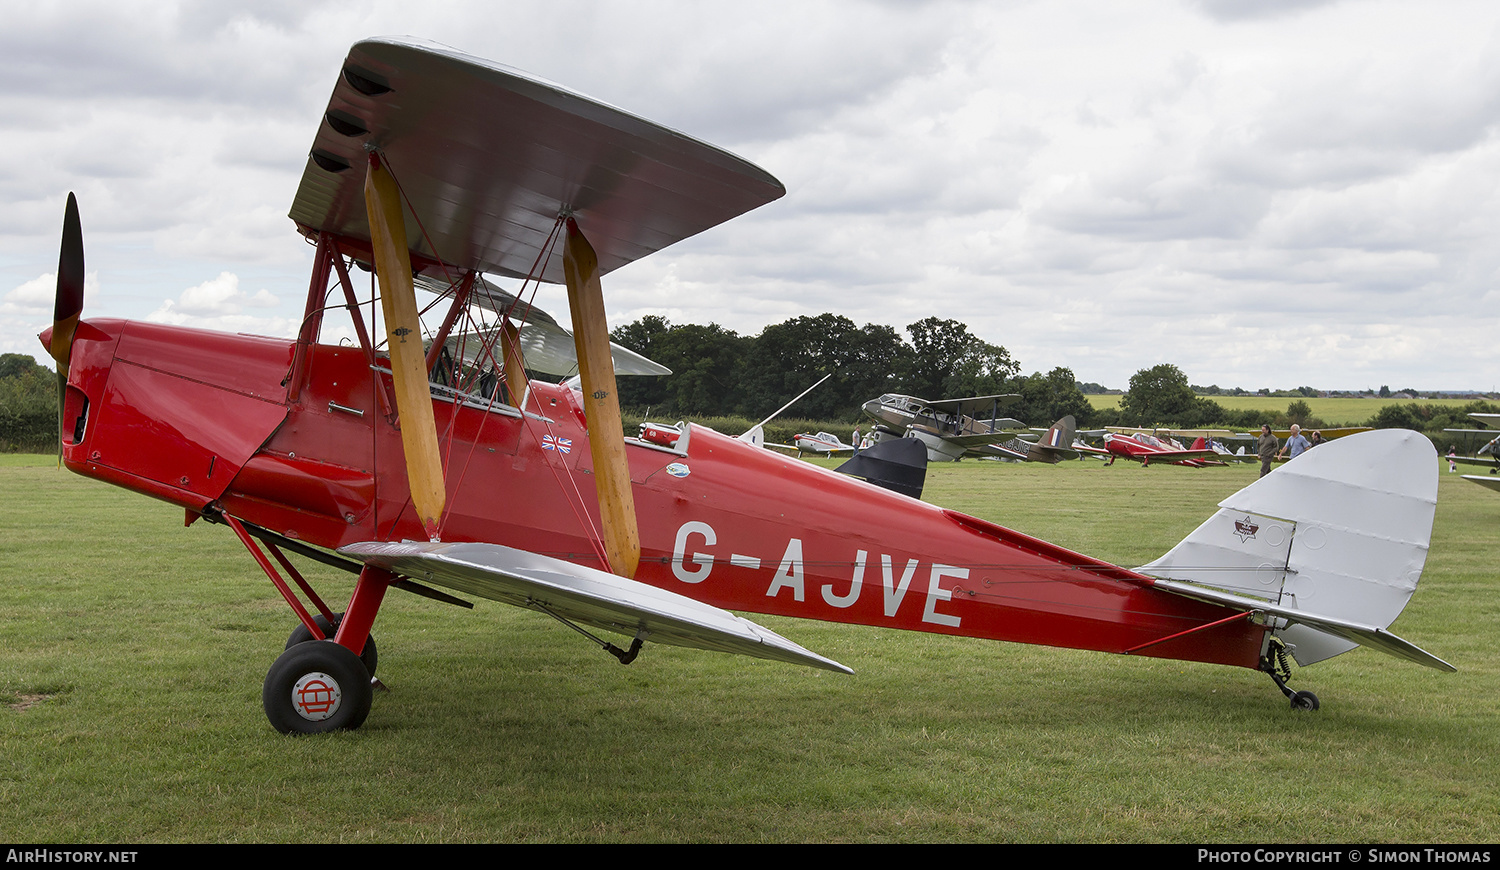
622 541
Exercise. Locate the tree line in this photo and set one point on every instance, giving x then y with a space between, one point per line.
28 405
1161 395
719 373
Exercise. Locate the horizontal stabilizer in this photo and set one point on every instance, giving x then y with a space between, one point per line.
1366 635
584 595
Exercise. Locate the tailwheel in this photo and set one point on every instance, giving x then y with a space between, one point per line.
370 656
316 687
1304 701
1274 662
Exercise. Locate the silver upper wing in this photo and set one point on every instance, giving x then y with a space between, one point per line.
489 157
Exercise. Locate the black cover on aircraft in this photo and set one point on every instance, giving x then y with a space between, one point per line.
897 464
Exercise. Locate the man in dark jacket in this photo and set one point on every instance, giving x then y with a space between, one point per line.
1266 446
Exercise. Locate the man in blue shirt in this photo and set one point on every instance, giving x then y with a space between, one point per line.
1295 445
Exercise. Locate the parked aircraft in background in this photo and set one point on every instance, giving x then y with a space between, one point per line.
950 428
823 443
1486 482
1146 449
756 435
1487 456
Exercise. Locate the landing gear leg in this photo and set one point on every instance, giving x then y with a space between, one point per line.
370 656
1274 663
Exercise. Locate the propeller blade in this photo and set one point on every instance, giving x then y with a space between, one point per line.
69 303
622 539
398 302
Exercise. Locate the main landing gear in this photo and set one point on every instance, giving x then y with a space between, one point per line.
1274 663
319 685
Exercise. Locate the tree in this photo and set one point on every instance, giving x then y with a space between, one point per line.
788 357
28 404
1397 417
948 361
642 336
705 363
876 361
1160 394
1048 398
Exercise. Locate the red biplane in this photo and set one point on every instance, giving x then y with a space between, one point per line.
417 464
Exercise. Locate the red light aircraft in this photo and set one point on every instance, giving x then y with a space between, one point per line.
1146 448
384 459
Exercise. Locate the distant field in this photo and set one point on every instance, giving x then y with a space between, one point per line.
1333 412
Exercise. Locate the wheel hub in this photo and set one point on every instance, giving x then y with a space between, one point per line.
316 696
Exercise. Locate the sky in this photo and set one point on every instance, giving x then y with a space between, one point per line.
1264 193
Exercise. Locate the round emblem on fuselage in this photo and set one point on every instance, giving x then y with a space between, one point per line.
678 469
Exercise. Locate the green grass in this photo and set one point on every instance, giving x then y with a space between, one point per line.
132 652
1333 412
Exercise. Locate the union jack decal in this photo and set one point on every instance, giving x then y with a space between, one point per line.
554 442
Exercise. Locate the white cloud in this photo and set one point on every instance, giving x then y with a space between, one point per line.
220 304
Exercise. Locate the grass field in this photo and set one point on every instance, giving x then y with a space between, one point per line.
132 652
1333 412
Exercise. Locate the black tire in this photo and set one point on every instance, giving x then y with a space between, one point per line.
1304 701
317 687
300 634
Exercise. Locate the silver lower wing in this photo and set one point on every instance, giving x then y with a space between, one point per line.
584 595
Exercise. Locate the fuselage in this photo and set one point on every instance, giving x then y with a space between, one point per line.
302 443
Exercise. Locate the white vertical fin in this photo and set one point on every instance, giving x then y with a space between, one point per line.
1342 531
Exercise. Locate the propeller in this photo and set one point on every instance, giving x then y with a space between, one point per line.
68 305
398 302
